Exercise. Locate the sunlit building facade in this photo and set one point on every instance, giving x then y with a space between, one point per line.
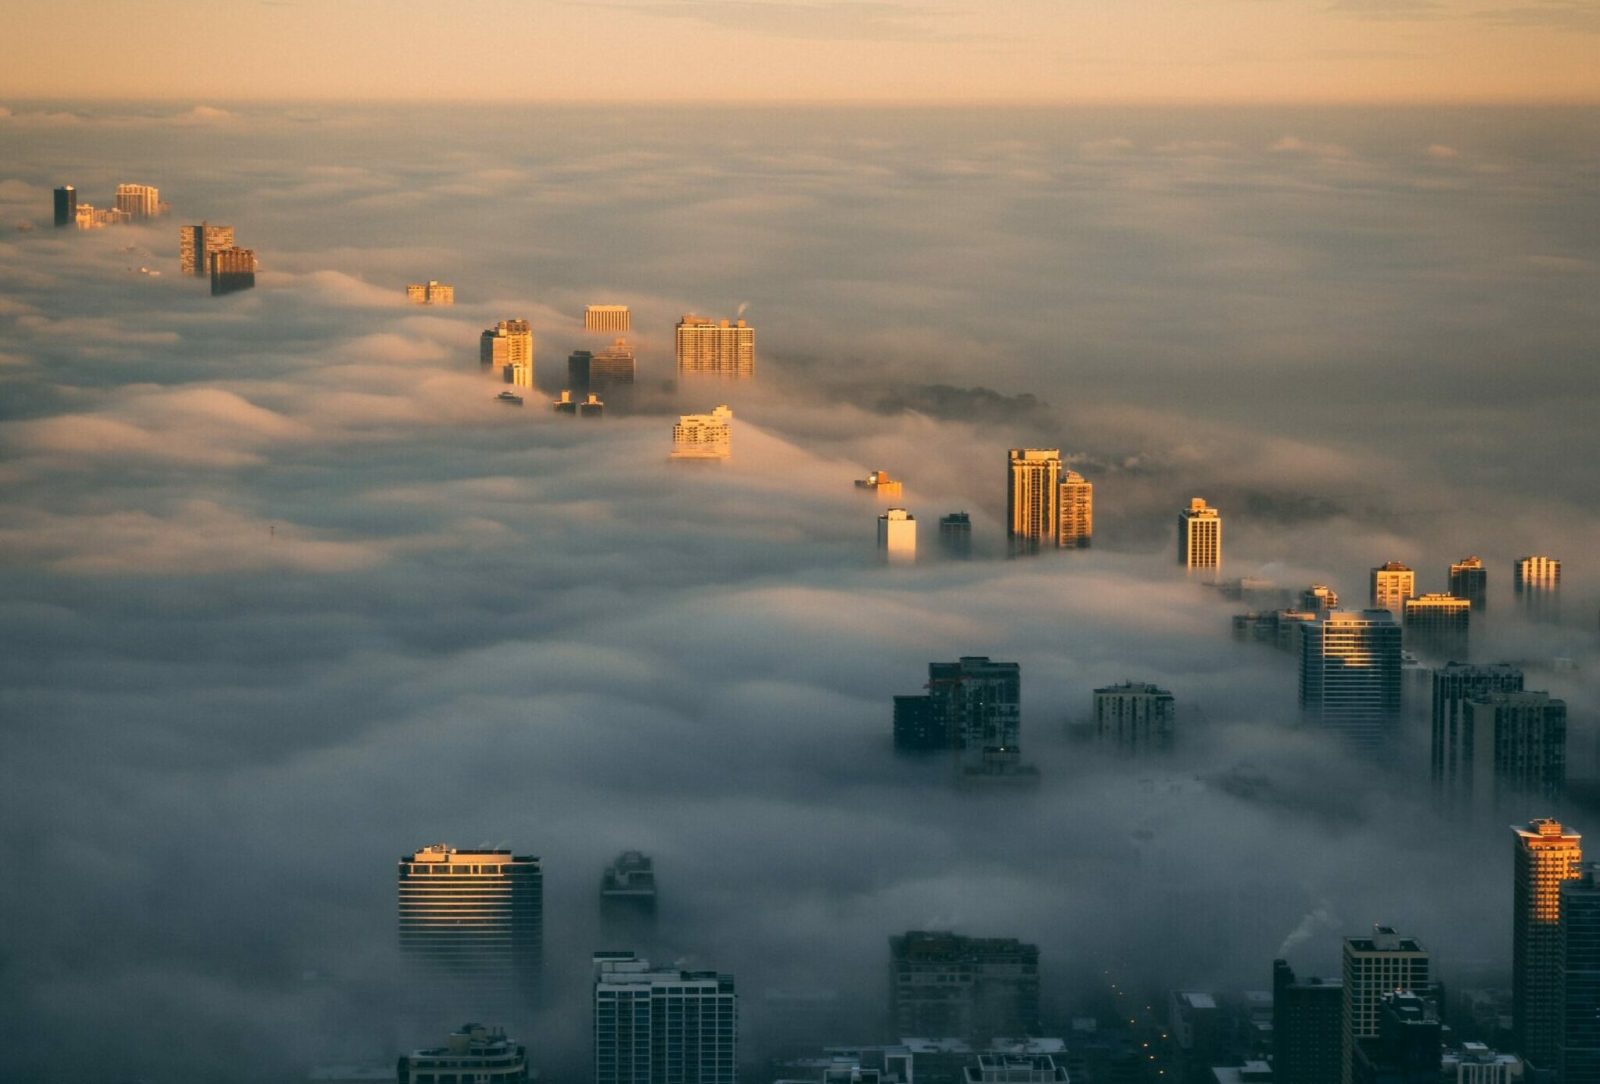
1319 599
1545 855
1200 536
955 535
431 292
1350 674
1075 512
606 318
897 537
880 485
704 436
662 1026
1033 487
715 348
1437 626
197 245
1372 967
508 343
139 200
1537 583
1455 744
1470 580
1390 584
1134 717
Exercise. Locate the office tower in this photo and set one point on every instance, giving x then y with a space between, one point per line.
975 988
518 374
1580 977
1319 598
1437 625
1545 855
1406 1048
662 1026
431 292
139 200
1374 966
1520 745
232 269
591 407
612 370
955 535
578 370
1391 584
1307 1018
1075 512
708 348
1454 743
880 485
1470 580
1350 674
1134 717
474 918
476 1053
1196 1025
1200 536
508 345
704 436
606 318
66 206
974 703
1537 582
628 899
197 244
897 536
1032 490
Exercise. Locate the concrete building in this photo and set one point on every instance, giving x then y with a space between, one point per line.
431 292
1537 583
955 535
662 1026
704 436
1475 1063
606 318
1279 628
880 485
66 206
232 269
715 348
1519 743
1134 717
1033 488
607 373
476 1054
1307 1027
507 349
1406 1049
198 244
1015 1069
897 537
942 984
1200 536
1375 966
1545 855
139 200
1075 512
1390 585
1437 626
1319 599
1470 580
1350 674
1455 746
1580 977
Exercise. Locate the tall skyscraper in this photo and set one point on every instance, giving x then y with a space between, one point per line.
1200 536
431 292
1307 1019
1580 977
606 318
1032 491
1075 512
1520 746
897 536
612 371
66 206
197 244
963 987
713 348
1350 674
972 704
1134 717
232 269
139 200
509 343
955 535
1470 580
1318 599
482 1055
474 922
662 1026
1537 582
1391 584
1436 626
704 436
1374 966
1455 746
1545 855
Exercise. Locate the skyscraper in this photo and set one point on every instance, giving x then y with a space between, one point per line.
1374 966
197 244
1391 584
1436 626
1307 1018
1031 495
1318 599
974 703
942 984
606 318
139 200
1520 746
704 436
1350 674
955 535
612 371
474 921
1470 580
232 269
66 206
1545 855
712 348
508 343
1580 977
662 1026
1200 536
1075 512
1455 746
431 292
1537 582
897 536
1134 717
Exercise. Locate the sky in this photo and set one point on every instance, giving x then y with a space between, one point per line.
1055 51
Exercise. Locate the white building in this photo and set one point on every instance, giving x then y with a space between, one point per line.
704 436
1200 536
897 536
662 1026
715 348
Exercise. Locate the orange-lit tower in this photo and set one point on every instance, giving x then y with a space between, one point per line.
1546 855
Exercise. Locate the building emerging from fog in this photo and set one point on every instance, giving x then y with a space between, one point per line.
1545 855
1350 674
704 436
1307 1027
476 1053
976 988
1200 536
1580 977
431 292
507 349
66 206
606 318
1134 717
1375 966
711 348
1537 583
1390 585
198 244
1319 599
955 535
1032 490
232 269
1075 512
897 537
971 704
1470 580
1455 745
662 1026
1520 745
1437 626
139 200
880 485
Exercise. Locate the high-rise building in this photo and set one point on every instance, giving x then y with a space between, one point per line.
1537 582
612 371
1407 1047
473 920
197 244
517 373
662 1026
1391 584
897 536
715 348
1307 1018
578 363
476 1053
1319 599
1455 747
1033 488
1374 966
431 292
1075 512
1545 855
1520 746
139 200
1580 977
704 436
880 485
606 318
1436 626
508 343
1350 674
971 704
941 984
1470 580
1200 536
955 535
232 269
628 899
1134 717
66 206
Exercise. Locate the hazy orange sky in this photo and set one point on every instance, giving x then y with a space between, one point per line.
1048 50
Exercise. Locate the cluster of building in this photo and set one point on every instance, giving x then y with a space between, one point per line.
204 251
131 203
